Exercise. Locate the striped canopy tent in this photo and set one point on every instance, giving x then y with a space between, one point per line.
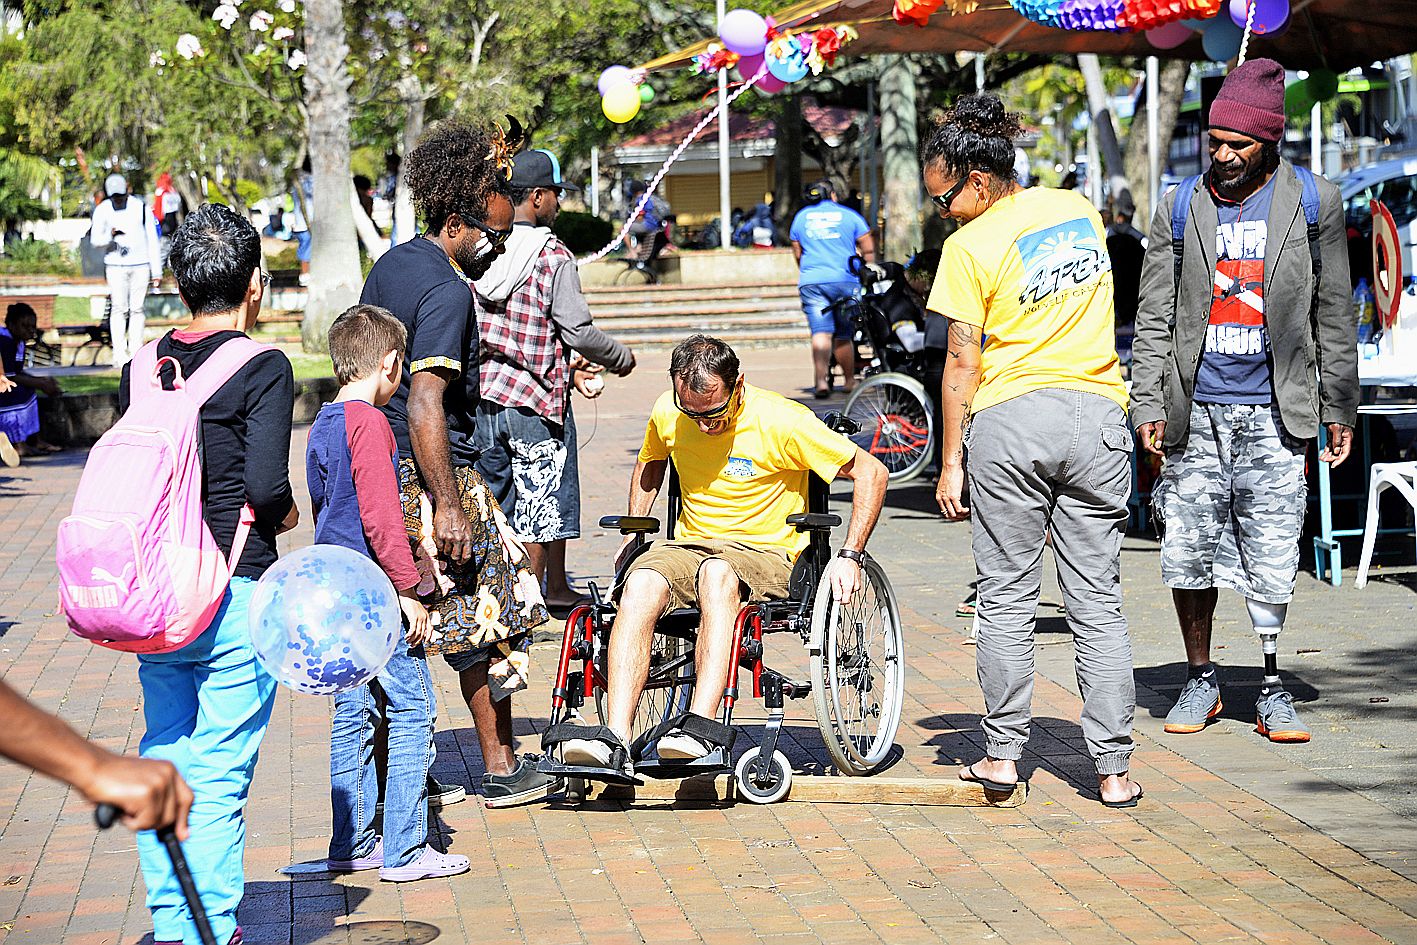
1322 34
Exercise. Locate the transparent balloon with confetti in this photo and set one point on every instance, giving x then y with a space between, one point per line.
324 619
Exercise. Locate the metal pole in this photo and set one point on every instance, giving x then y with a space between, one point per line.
1153 132
595 181
1316 139
979 72
725 199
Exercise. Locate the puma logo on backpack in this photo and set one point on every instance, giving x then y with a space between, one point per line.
139 570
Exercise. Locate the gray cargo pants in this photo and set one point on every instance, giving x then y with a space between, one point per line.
1052 462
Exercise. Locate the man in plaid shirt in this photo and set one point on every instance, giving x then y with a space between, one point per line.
530 314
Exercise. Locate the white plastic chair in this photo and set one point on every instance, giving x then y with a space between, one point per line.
1399 476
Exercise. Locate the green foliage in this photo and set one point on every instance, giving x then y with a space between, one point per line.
246 191
285 259
582 232
33 257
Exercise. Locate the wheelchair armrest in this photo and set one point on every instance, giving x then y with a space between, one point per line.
631 524
813 521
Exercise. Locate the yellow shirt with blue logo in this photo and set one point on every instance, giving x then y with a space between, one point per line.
743 483
1033 274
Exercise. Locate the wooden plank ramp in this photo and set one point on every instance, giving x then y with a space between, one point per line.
815 789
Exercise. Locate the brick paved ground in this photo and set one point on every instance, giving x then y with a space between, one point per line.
1236 840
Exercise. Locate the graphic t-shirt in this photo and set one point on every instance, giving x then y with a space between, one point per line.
827 233
743 483
1033 273
1234 366
419 284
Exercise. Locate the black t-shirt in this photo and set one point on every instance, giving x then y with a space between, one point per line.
245 444
418 283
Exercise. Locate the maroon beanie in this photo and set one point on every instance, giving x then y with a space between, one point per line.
1251 101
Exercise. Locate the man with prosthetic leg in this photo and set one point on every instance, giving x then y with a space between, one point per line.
1245 346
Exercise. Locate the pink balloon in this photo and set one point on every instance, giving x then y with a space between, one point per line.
770 84
749 66
1169 36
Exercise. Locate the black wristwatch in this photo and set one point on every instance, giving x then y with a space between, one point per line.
858 556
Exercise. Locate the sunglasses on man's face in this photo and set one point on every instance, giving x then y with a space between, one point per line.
944 200
713 413
498 238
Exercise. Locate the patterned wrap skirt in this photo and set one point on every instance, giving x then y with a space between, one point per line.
491 603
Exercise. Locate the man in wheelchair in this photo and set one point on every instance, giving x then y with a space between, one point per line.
744 458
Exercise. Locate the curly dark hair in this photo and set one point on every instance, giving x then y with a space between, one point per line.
977 134
452 171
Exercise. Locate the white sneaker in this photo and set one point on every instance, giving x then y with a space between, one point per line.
681 746
586 752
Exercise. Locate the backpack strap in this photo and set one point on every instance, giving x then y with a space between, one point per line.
1180 214
1309 200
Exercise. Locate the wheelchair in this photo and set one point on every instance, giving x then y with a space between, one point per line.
897 415
856 669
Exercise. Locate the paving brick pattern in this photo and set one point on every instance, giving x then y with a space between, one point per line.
1208 857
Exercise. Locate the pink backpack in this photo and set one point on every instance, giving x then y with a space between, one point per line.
139 570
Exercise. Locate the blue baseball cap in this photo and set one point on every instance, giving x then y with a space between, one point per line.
538 168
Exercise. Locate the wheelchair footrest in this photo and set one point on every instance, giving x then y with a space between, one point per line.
796 689
589 773
715 762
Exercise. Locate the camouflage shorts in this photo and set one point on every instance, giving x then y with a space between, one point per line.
1231 504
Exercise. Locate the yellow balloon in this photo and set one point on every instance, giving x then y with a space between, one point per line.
621 103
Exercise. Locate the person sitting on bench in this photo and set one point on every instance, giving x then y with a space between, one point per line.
744 457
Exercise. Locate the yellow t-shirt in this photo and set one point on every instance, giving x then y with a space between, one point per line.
1032 272
742 484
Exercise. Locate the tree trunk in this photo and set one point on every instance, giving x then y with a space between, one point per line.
1170 89
1101 113
900 146
787 166
374 244
414 104
335 277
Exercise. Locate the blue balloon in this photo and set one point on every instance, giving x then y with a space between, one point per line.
324 619
1221 39
791 69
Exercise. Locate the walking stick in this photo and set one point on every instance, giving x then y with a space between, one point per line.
106 814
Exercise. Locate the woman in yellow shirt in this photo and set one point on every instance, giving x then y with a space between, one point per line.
1042 410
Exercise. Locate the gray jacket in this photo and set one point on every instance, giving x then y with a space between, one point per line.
1313 355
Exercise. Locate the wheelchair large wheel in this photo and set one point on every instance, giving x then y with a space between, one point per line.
858 676
668 689
897 422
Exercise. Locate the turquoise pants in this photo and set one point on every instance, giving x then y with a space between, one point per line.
206 707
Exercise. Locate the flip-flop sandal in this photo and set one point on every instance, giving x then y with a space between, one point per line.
1122 805
999 787
965 609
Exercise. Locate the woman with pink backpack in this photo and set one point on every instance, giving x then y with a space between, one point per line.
175 519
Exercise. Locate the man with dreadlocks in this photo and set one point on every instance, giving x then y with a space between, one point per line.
486 601
1042 410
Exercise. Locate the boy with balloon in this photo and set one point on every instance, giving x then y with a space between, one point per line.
326 619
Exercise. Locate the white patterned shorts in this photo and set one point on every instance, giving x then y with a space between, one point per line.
529 463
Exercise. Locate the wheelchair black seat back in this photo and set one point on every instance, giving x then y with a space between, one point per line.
856 666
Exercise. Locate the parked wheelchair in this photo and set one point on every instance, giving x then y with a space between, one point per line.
893 405
856 669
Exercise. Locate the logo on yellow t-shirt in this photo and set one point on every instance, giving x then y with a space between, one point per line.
739 467
1059 258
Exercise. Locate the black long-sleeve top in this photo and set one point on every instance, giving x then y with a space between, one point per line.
245 443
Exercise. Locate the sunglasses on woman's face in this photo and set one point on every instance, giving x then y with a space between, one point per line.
944 200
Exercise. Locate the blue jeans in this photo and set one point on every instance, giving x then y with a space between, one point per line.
405 697
206 707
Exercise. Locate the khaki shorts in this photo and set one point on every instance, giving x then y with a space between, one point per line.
762 572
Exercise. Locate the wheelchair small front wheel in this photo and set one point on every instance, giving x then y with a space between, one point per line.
763 780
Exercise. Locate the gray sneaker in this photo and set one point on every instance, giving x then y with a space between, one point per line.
1198 704
523 784
1276 719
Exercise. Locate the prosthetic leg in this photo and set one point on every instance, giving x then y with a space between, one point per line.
1275 717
